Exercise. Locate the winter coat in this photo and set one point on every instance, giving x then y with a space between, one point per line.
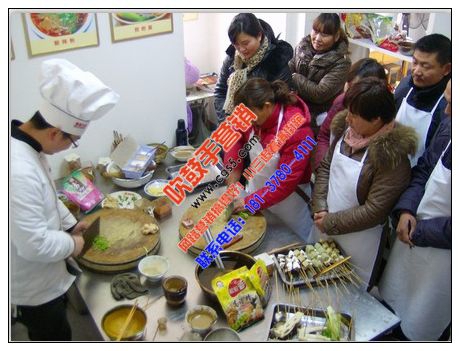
274 65
38 246
319 78
435 232
424 99
384 176
301 170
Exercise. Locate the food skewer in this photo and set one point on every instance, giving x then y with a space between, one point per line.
331 267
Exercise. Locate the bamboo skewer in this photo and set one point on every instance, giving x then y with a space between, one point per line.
332 266
128 320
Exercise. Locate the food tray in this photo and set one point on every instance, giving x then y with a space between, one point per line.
311 318
296 280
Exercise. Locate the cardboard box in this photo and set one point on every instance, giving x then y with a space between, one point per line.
133 159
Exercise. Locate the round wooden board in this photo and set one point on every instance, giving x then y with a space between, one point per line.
253 231
122 228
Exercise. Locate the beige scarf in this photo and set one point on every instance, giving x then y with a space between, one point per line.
240 76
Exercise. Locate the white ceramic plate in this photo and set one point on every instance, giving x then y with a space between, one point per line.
125 199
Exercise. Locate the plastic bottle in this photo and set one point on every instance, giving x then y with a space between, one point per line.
181 133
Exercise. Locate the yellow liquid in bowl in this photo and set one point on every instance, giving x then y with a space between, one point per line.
115 321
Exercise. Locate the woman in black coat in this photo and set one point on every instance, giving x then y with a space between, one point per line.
254 52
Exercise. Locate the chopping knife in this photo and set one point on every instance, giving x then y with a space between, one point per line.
89 235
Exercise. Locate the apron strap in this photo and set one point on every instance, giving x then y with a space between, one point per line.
303 195
280 118
410 91
437 103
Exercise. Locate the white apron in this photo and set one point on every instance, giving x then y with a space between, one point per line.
293 210
417 119
417 282
362 246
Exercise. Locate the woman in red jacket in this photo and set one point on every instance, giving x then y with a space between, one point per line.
274 106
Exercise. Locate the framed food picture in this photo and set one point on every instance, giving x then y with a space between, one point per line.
131 25
59 31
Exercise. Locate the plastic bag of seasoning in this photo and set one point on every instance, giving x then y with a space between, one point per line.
258 275
81 191
238 298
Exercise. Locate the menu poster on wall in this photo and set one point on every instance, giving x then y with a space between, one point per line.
131 25
52 32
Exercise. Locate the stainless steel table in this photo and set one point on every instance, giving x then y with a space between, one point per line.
371 318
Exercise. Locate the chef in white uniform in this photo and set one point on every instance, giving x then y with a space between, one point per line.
416 282
420 95
44 234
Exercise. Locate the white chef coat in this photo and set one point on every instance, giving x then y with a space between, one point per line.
38 244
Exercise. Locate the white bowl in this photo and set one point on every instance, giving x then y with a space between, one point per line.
130 183
153 267
155 183
201 319
182 153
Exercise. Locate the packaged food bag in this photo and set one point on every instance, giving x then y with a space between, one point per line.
238 298
258 275
81 191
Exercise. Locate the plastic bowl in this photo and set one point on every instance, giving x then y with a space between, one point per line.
201 319
125 182
222 334
182 153
153 267
156 185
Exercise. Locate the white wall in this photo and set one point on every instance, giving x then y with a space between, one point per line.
148 73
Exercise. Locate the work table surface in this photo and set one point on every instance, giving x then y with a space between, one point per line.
370 318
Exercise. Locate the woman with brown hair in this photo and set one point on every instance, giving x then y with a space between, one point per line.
320 65
274 106
363 174
254 52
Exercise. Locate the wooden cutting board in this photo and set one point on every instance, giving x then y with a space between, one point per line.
122 229
253 231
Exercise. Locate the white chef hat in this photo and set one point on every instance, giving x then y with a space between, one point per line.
71 97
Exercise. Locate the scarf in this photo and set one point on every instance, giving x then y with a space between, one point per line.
240 75
358 142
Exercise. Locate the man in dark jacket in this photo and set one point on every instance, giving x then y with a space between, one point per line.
417 281
272 66
435 232
419 96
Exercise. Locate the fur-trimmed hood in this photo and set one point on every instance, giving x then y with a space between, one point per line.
386 151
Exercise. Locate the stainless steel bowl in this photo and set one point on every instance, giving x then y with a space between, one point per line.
115 318
222 334
130 183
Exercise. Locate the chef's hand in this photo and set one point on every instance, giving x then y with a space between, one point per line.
406 227
80 228
238 205
318 217
78 244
